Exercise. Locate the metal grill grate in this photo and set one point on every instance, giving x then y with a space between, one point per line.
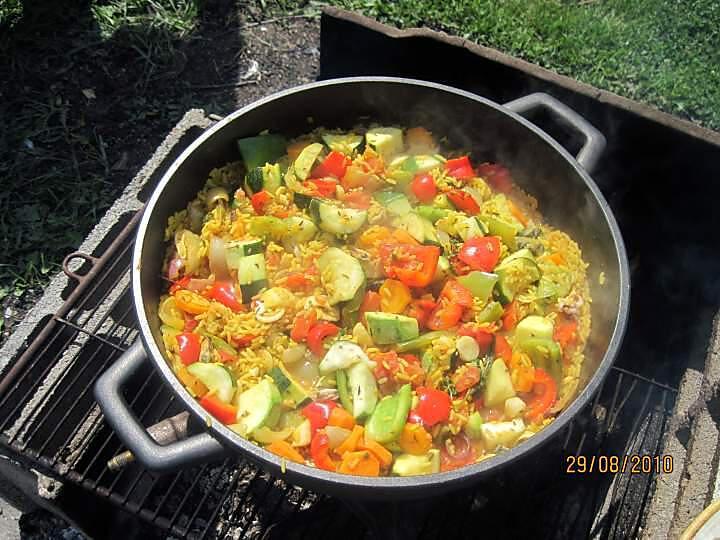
50 421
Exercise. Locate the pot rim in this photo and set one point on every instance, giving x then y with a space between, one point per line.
298 472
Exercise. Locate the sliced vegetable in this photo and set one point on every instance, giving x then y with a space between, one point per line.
305 161
339 417
265 178
341 274
505 230
411 465
481 253
468 350
334 165
423 187
320 452
289 386
170 314
490 313
388 328
394 296
337 219
390 415
533 326
433 406
304 321
497 434
498 386
224 292
459 167
262 149
216 378
255 405
252 275
317 335
413 265
353 440
191 302
318 412
221 410
431 213
344 143
361 463
474 423
285 450
415 440
480 284
363 390
421 342
188 347
341 381
462 200
342 355
386 141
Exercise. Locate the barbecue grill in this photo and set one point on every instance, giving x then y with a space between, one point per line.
49 421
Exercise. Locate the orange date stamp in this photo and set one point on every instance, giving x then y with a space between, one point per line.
631 464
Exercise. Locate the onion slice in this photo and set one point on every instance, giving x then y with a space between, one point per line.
217 258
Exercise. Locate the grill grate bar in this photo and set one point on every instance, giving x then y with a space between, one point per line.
229 489
70 386
217 476
41 355
91 334
186 497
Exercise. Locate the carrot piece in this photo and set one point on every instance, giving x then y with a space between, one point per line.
351 443
362 463
517 213
510 317
414 439
383 455
565 332
404 237
283 449
557 259
341 418
374 236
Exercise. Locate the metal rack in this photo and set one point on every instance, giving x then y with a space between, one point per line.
50 422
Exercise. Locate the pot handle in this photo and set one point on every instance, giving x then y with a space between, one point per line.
108 394
594 140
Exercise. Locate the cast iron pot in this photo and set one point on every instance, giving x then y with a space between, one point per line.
568 197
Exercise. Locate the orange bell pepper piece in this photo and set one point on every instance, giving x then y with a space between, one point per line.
383 455
339 417
351 443
362 463
414 439
283 449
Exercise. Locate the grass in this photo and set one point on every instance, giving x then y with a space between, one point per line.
662 52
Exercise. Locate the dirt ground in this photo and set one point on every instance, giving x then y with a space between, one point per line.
86 112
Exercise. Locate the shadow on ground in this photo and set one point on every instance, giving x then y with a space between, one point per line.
83 110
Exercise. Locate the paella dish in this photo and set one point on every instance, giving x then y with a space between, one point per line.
372 302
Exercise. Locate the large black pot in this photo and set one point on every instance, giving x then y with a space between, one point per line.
568 197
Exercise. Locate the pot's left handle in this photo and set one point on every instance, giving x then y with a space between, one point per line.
108 394
594 145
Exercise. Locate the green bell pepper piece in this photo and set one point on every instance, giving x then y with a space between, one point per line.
421 342
545 354
257 151
480 284
431 213
490 313
506 231
343 390
389 417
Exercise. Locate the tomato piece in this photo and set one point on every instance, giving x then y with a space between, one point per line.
224 412
482 336
301 326
481 252
544 394
188 347
423 187
297 281
226 356
224 292
325 187
463 201
456 452
335 165
496 175
320 452
413 265
503 350
444 316
318 412
466 377
565 331
433 405
318 333
259 200
460 167
421 310
371 302
394 296
190 325
357 199
510 316
457 294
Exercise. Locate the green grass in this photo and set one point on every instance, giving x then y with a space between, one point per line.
662 52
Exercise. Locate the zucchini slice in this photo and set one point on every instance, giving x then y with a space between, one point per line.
255 406
335 219
341 274
216 377
307 158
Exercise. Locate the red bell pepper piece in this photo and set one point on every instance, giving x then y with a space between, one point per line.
318 333
543 396
318 412
502 349
357 199
457 294
445 315
259 200
224 412
413 265
496 175
324 187
510 316
463 201
320 452
224 292
242 341
421 310
226 356
302 325
481 252
190 324
188 347
459 167
433 405
335 165
181 283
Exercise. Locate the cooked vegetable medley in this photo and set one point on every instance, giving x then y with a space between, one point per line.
370 304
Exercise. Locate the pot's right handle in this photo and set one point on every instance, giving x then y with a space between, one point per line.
594 145
108 394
